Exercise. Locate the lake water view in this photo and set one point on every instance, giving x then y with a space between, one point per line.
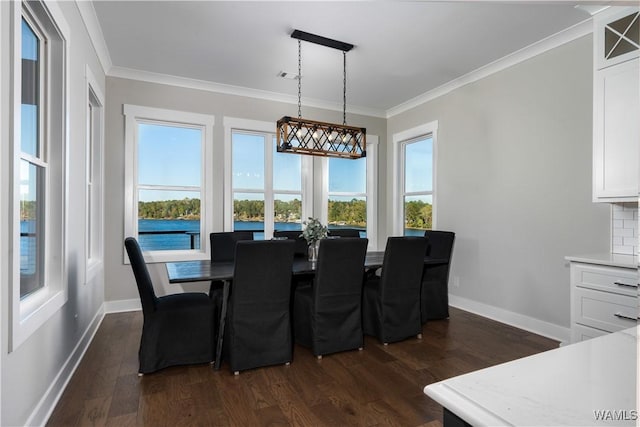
159 242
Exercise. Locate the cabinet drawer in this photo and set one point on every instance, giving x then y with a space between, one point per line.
606 311
623 281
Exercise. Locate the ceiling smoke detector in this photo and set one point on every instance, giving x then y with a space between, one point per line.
288 75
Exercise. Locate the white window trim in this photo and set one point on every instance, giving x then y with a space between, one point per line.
134 113
239 124
427 129
94 264
29 314
371 191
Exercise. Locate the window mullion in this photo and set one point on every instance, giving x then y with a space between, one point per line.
269 195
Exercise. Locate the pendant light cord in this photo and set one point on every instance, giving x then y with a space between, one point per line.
344 88
299 79
344 84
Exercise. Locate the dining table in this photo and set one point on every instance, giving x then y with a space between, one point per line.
206 270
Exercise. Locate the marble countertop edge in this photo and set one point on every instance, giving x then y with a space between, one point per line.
609 259
457 403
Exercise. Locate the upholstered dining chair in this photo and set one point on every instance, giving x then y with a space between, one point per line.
344 232
301 251
434 297
258 326
223 249
223 244
391 301
327 316
178 329
301 248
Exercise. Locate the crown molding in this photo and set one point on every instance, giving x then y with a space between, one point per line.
572 33
90 20
146 76
92 25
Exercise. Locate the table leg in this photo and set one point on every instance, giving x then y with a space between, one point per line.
223 318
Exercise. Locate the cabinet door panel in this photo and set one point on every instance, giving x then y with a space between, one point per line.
616 132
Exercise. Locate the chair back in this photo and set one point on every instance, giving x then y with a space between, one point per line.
141 273
336 307
440 243
401 276
259 314
435 278
344 232
301 248
223 244
340 270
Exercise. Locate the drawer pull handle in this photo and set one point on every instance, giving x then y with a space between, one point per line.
622 316
626 284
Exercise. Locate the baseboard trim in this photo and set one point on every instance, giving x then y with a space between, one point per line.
47 404
122 305
50 399
517 320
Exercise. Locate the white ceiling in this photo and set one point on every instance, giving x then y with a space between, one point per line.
402 49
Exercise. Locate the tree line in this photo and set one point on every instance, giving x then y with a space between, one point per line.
170 209
418 214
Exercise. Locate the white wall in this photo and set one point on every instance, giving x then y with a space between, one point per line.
514 168
120 284
34 373
514 183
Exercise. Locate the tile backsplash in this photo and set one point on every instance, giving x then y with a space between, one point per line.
624 228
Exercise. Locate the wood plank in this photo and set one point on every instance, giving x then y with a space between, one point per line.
381 385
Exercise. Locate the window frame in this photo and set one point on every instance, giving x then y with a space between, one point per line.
94 177
399 142
29 313
234 124
136 114
371 191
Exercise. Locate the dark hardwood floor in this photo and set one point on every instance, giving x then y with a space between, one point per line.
377 386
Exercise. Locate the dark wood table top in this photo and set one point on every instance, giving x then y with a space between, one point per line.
205 270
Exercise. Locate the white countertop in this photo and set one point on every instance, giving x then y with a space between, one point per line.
560 387
613 260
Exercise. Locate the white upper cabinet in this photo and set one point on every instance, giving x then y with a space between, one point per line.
616 106
616 36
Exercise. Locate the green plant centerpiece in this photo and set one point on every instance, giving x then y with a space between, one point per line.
312 232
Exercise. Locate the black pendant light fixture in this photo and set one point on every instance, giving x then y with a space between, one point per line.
303 136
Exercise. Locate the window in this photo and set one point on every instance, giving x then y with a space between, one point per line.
168 172
39 145
417 185
267 187
414 163
351 192
33 165
94 174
